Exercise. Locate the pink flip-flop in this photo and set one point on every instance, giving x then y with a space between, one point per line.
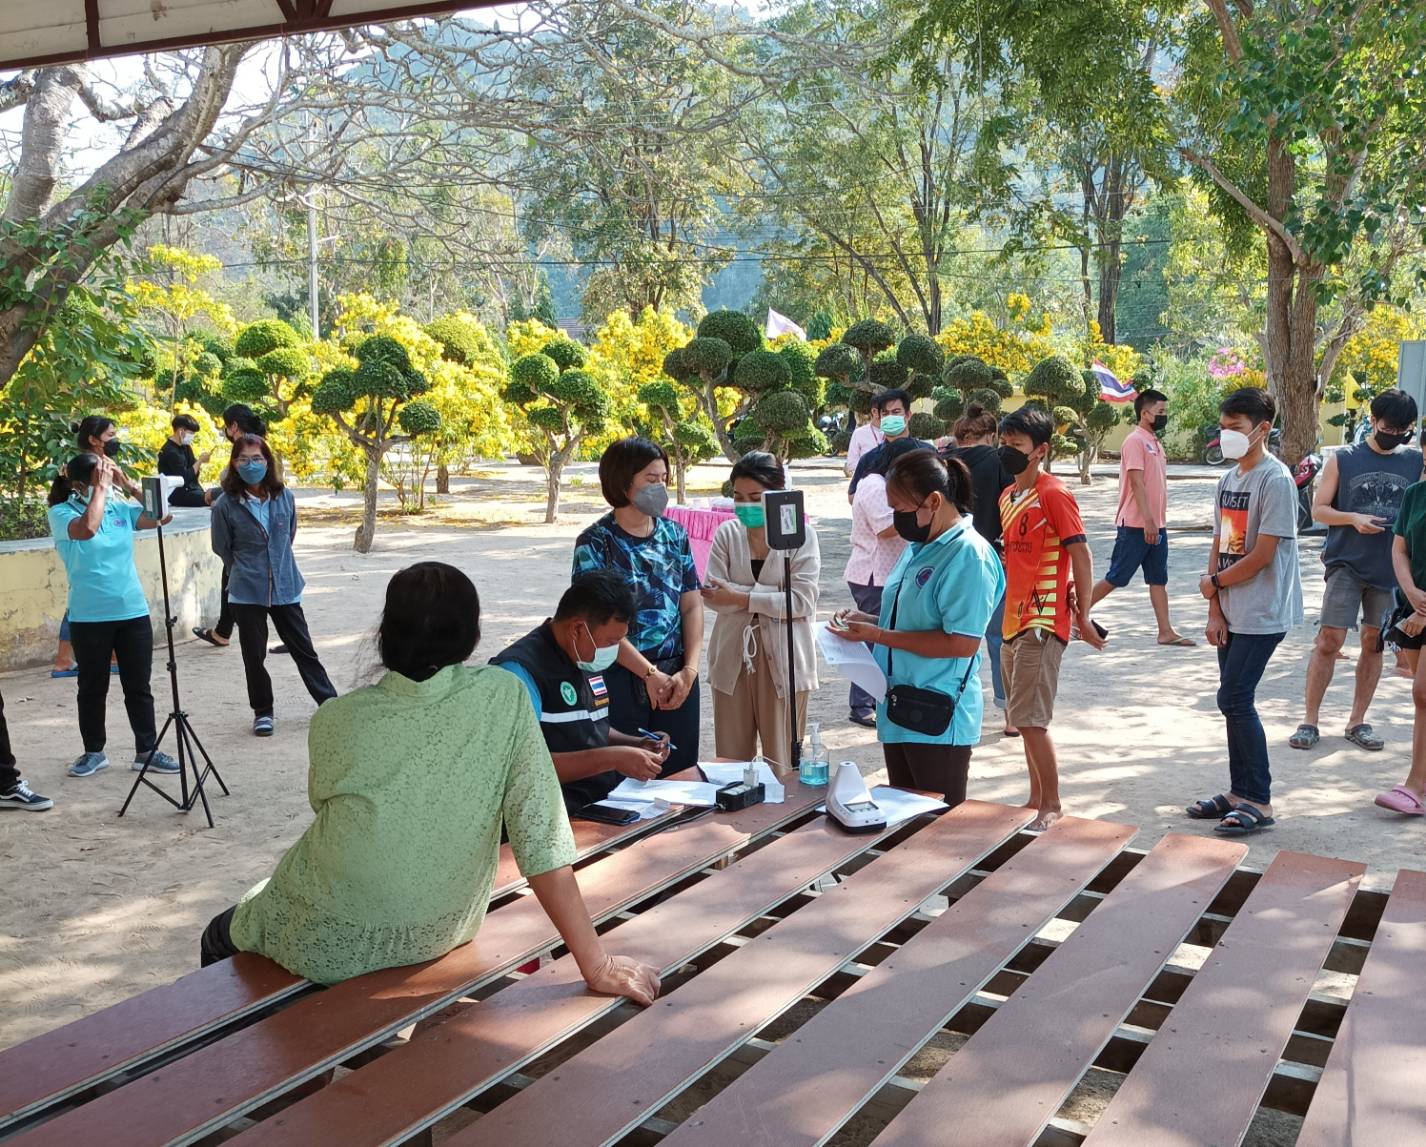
1401 799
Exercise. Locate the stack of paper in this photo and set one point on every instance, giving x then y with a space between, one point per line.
852 660
694 793
722 773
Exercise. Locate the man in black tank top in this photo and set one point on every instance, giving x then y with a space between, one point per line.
1357 498
562 665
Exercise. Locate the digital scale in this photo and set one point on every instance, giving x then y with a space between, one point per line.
849 802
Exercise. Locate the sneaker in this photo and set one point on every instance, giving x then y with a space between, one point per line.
162 763
22 798
865 720
262 726
88 765
278 650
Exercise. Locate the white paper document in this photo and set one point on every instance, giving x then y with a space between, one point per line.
900 806
647 810
694 793
722 773
852 660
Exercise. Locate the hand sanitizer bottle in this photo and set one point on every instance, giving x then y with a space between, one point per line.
814 766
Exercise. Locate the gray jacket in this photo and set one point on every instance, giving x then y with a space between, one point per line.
261 568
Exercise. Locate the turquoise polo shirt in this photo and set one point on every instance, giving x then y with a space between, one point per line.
951 584
103 583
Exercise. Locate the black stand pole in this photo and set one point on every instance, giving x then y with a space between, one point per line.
186 738
793 740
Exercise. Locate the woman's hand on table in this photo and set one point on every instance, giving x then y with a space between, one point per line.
623 976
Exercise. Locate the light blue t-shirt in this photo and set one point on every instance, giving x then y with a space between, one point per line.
261 509
952 584
103 583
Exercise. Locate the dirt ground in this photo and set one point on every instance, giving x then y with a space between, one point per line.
99 908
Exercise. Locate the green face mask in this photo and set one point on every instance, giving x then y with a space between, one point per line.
751 514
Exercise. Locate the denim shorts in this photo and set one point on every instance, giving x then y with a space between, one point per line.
1346 597
1132 553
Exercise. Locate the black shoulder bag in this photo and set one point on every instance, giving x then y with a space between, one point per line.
925 711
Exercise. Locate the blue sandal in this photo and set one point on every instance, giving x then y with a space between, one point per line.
1243 820
1215 808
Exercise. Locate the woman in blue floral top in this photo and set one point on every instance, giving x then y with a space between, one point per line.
654 683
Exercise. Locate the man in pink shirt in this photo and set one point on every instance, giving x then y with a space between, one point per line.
876 546
865 437
1142 541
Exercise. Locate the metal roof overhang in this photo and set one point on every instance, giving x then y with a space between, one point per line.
59 31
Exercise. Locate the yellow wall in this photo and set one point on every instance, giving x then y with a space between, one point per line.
33 588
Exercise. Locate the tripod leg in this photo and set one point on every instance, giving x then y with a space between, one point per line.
185 732
209 766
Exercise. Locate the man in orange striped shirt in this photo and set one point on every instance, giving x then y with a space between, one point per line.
1044 542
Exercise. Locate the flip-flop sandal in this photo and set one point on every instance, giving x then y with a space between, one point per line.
1305 737
1215 808
1182 643
207 635
1243 821
72 671
1401 799
1365 738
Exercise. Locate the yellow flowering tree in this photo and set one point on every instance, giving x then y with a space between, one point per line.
1013 348
178 307
627 356
1367 365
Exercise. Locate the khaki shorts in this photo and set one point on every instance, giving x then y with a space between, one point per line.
1030 669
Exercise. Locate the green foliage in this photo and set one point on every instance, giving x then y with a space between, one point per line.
706 357
736 329
661 396
812 443
782 412
532 376
920 354
925 426
841 363
802 377
566 353
920 386
985 397
762 370
950 405
677 368
262 337
870 337
1054 379
462 339
418 417
886 374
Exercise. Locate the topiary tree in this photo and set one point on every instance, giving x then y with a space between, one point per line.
562 402
684 433
270 367
1082 419
377 407
869 338
967 379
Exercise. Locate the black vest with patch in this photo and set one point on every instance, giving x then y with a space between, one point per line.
574 707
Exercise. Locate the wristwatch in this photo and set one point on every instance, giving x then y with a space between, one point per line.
652 669
1214 579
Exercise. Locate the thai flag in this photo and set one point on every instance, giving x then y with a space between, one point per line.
596 684
1110 388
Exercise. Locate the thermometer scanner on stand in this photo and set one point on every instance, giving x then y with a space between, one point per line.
849 802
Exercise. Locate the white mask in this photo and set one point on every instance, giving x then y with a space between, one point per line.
1234 443
185 438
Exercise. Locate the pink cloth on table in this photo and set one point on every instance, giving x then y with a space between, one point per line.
701 526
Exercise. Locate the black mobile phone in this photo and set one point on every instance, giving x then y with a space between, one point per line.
606 815
1099 629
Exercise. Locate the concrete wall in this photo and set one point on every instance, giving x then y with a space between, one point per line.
33 587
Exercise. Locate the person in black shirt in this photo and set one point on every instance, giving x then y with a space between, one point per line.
562 664
974 432
895 408
176 460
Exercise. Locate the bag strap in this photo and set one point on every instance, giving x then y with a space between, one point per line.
890 652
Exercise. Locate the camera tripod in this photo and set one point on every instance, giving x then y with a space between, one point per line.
190 748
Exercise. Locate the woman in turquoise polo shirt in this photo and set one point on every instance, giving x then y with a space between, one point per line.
934 610
108 613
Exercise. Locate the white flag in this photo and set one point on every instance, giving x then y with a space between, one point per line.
781 325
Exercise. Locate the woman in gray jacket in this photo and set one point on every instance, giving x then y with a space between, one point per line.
254 522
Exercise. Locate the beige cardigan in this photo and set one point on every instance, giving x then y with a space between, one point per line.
731 562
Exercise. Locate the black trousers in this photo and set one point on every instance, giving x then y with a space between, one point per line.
630 711
9 774
216 942
935 768
291 626
131 644
226 621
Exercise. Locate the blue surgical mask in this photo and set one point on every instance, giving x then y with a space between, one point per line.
252 472
602 659
892 425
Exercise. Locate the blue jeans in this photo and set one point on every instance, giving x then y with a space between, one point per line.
994 639
868 599
1240 667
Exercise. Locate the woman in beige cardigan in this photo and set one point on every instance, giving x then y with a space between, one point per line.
747 656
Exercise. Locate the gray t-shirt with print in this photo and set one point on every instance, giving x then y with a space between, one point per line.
1262 501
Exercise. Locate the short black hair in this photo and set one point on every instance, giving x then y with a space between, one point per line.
1394 407
242 416
185 422
762 467
598 596
1253 401
1147 398
887 397
80 468
431 620
621 461
1032 421
90 427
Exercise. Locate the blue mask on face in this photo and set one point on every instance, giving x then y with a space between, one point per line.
252 472
603 657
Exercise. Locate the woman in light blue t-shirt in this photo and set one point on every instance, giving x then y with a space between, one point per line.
93 531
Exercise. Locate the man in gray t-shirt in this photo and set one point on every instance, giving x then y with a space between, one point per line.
1254 596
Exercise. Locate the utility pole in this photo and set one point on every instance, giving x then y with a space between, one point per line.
312 283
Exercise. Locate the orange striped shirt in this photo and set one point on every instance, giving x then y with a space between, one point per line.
1039 525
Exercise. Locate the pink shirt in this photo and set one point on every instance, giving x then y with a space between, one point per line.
1143 451
872 557
864 438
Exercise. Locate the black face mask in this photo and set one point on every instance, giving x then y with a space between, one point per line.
1391 441
908 527
1160 422
111 448
1014 461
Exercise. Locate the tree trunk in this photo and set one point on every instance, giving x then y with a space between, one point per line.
710 407
554 470
1110 271
680 476
443 479
1086 460
366 532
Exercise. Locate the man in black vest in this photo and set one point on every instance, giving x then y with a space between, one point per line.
562 664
